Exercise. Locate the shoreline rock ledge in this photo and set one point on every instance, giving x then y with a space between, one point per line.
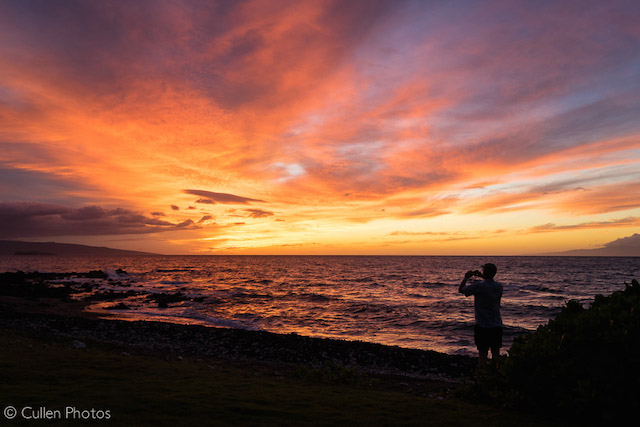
245 346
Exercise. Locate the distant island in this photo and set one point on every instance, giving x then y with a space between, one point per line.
625 246
34 253
19 248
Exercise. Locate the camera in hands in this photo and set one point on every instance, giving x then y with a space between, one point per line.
476 273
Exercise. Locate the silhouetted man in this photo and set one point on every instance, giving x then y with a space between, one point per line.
487 294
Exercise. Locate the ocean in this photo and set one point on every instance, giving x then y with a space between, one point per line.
408 301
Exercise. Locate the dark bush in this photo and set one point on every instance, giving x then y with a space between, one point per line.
584 365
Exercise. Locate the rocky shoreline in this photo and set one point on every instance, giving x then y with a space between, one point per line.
31 303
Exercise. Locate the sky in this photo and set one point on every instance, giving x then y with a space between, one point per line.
319 126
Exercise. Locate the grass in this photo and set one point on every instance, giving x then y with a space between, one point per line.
150 390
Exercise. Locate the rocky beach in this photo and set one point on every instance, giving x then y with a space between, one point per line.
45 303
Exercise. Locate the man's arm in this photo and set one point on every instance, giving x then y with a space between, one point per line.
467 275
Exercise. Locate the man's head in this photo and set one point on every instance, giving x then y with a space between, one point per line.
489 271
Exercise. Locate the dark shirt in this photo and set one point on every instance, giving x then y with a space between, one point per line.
487 295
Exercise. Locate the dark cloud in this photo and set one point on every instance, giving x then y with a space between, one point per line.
206 201
605 118
99 44
258 213
175 208
205 218
210 197
31 219
542 136
16 182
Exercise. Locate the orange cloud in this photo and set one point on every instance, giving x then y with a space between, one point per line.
332 114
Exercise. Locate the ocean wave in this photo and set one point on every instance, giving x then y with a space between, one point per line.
540 288
310 296
239 296
173 282
190 317
259 281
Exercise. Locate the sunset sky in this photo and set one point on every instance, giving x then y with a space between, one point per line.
320 127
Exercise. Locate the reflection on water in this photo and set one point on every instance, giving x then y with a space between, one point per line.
397 300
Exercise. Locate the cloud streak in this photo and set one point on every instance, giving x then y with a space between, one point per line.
614 223
211 197
20 220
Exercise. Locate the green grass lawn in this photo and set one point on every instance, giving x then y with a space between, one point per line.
46 371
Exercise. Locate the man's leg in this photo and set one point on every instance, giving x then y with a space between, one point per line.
495 352
496 342
482 358
480 337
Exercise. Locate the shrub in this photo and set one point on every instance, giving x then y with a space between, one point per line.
583 365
